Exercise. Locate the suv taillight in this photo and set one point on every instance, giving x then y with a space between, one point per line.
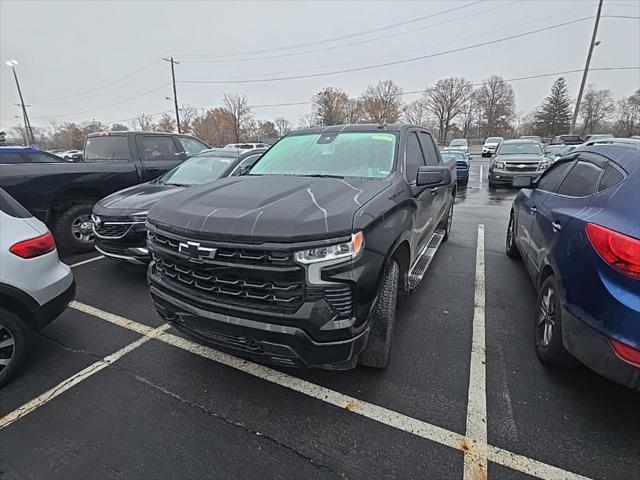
618 250
34 247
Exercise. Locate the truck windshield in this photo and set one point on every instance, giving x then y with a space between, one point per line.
197 170
347 154
520 149
106 149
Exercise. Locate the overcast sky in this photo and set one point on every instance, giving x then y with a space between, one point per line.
84 60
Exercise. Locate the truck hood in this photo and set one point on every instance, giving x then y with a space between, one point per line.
520 158
268 208
134 199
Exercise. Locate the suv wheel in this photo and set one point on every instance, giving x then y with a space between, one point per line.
512 250
377 353
14 337
72 229
548 326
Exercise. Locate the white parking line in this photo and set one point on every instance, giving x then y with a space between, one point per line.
89 260
373 412
70 382
480 185
475 459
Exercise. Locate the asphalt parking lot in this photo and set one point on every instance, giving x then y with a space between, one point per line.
110 392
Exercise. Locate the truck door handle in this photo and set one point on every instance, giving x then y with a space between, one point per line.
434 191
533 210
556 226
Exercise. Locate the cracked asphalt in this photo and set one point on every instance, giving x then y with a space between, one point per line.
163 412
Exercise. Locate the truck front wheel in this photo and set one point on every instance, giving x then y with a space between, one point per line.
72 229
377 353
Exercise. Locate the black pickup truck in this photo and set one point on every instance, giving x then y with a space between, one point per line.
62 194
299 261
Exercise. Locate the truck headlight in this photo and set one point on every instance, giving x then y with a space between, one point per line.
544 165
347 250
500 164
139 216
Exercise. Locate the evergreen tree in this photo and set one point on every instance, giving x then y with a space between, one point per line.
554 116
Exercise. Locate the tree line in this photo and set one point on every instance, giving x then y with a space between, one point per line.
452 107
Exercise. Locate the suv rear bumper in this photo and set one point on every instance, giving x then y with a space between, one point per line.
47 313
277 344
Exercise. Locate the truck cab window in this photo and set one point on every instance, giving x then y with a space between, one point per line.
191 146
414 157
156 147
429 149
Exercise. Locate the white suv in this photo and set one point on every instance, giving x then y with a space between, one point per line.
35 286
490 146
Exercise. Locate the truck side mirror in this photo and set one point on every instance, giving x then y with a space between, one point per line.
433 177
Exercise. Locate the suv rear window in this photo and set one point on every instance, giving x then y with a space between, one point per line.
106 149
11 207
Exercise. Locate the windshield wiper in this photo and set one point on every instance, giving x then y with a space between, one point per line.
321 175
177 184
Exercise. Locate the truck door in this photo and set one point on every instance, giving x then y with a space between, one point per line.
159 154
433 159
425 206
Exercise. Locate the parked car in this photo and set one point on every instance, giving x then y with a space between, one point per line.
515 157
490 146
555 151
567 140
459 143
462 163
35 287
72 155
62 194
597 136
247 146
533 138
299 262
119 219
577 230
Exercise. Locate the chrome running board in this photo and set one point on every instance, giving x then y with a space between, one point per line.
423 261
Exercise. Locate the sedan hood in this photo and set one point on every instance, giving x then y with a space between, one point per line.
134 199
268 208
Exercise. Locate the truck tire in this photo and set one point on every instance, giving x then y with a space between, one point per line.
512 250
548 327
14 335
447 222
377 353
70 230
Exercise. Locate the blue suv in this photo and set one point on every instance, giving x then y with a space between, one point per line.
577 229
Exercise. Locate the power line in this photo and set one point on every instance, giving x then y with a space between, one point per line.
135 72
106 106
396 62
334 39
336 47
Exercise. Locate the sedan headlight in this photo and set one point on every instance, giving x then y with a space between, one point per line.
347 250
139 216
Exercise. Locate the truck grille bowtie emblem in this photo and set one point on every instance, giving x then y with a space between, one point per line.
196 252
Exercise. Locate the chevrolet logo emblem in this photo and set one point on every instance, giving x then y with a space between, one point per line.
197 253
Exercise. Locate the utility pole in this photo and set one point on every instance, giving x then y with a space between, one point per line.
586 69
27 124
175 94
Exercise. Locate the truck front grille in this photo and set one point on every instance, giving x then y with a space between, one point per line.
515 167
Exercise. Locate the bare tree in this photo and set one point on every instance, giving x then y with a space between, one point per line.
496 105
597 106
166 124
307 121
628 117
330 106
417 111
119 127
187 115
283 126
355 111
382 102
447 100
238 113
143 122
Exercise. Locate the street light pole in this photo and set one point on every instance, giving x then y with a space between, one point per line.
175 93
586 69
27 124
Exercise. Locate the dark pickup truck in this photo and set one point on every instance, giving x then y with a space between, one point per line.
62 194
298 262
